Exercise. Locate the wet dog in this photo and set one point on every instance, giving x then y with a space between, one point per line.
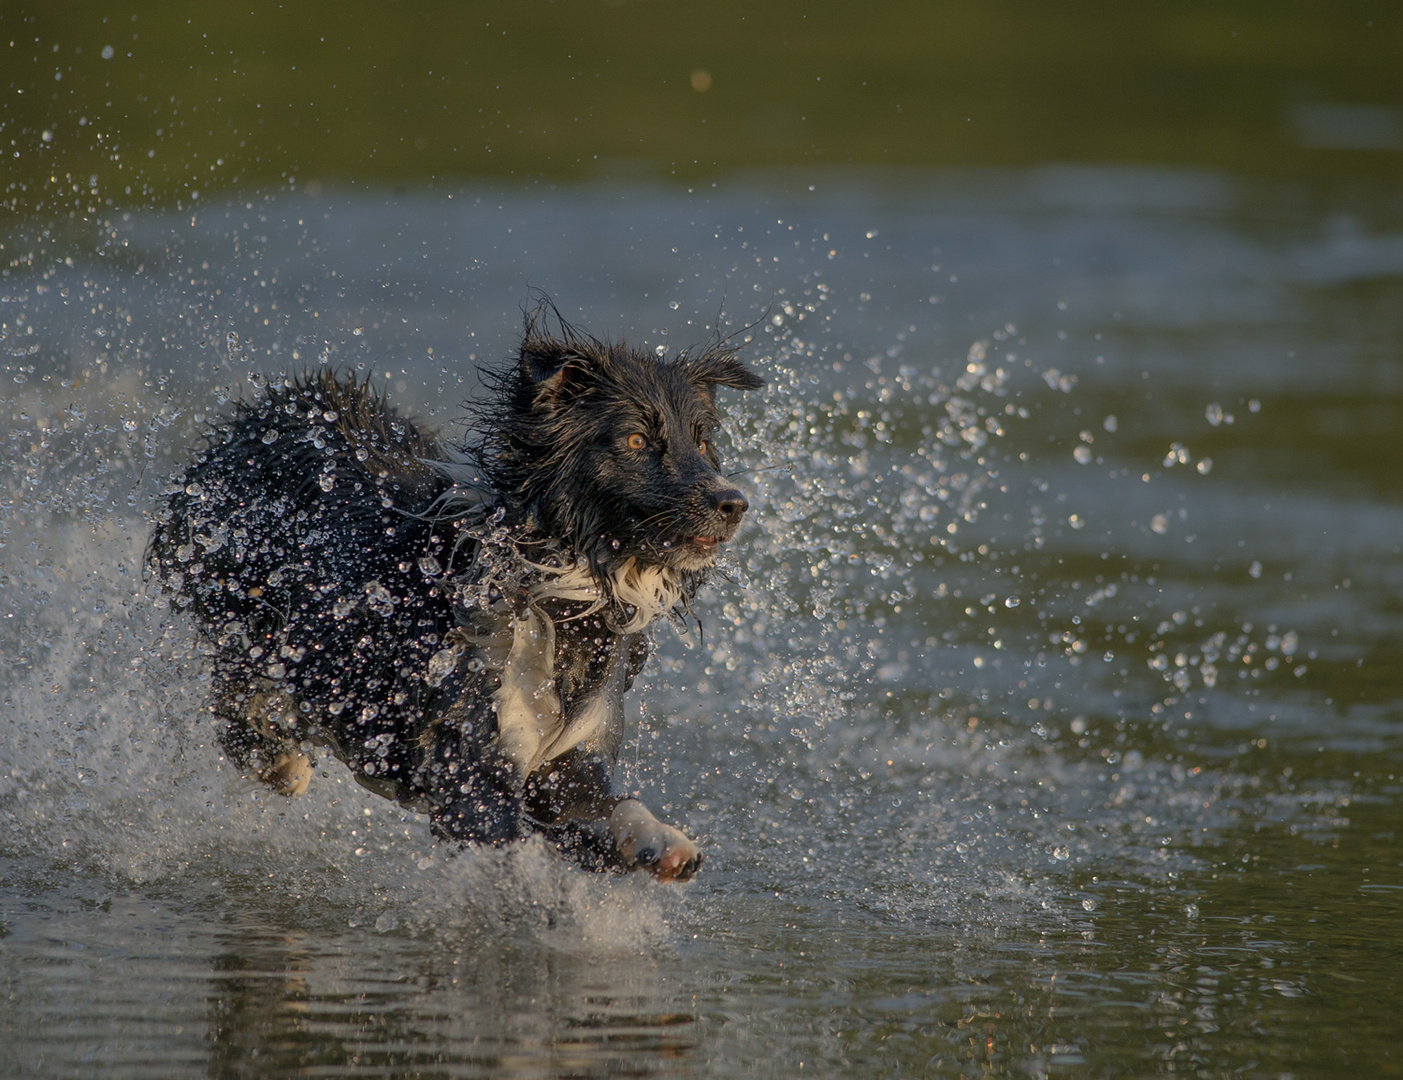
459 624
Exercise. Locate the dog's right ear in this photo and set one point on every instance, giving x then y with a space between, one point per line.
553 367
721 368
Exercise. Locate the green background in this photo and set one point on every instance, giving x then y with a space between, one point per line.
218 96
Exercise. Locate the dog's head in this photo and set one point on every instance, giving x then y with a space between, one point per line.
611 450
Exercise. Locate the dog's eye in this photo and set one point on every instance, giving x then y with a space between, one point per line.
703 445
636 441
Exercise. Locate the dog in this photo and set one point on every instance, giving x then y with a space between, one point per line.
459 624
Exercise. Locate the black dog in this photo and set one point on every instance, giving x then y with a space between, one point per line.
459 625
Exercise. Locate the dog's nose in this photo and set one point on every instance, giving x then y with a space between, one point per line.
730 504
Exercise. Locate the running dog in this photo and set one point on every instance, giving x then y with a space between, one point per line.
459 624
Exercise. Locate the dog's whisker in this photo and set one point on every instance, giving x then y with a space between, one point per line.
760 469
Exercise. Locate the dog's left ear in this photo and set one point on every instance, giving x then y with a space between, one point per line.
722 369
554 367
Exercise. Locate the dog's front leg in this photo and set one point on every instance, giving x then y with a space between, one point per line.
573 798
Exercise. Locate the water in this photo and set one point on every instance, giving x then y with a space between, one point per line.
1045 721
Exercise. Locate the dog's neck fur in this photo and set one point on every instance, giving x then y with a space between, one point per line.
648 592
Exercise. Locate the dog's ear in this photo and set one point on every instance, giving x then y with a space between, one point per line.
554 367
714 369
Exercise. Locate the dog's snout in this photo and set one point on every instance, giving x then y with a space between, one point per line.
730 504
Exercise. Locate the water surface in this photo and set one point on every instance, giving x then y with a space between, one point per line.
1045 720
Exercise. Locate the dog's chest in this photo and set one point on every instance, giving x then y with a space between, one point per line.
559 681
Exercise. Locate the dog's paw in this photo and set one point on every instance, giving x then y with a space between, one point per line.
289 774
647 844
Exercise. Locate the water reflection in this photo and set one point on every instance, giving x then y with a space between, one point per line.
279 1008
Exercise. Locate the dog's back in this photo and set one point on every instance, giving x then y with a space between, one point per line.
304 542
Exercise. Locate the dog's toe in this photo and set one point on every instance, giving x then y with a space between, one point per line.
648 844
678 864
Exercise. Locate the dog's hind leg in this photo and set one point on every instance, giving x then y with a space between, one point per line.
261 734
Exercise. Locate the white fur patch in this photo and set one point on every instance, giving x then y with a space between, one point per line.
588 723
650 590
528 706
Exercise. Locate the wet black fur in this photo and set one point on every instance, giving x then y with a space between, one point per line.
311 543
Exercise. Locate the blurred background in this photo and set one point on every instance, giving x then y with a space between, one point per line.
166 101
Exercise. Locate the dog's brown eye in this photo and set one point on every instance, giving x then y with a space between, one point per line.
702 445
636 441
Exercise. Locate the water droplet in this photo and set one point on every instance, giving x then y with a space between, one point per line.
379 598
1012 602
441 665
1082 454
1255 570
1214 414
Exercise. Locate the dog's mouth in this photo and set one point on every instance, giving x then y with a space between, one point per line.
703 544
689 551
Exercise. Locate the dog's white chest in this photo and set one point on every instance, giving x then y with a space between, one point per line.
533 725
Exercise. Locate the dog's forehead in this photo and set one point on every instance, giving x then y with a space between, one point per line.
661 392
